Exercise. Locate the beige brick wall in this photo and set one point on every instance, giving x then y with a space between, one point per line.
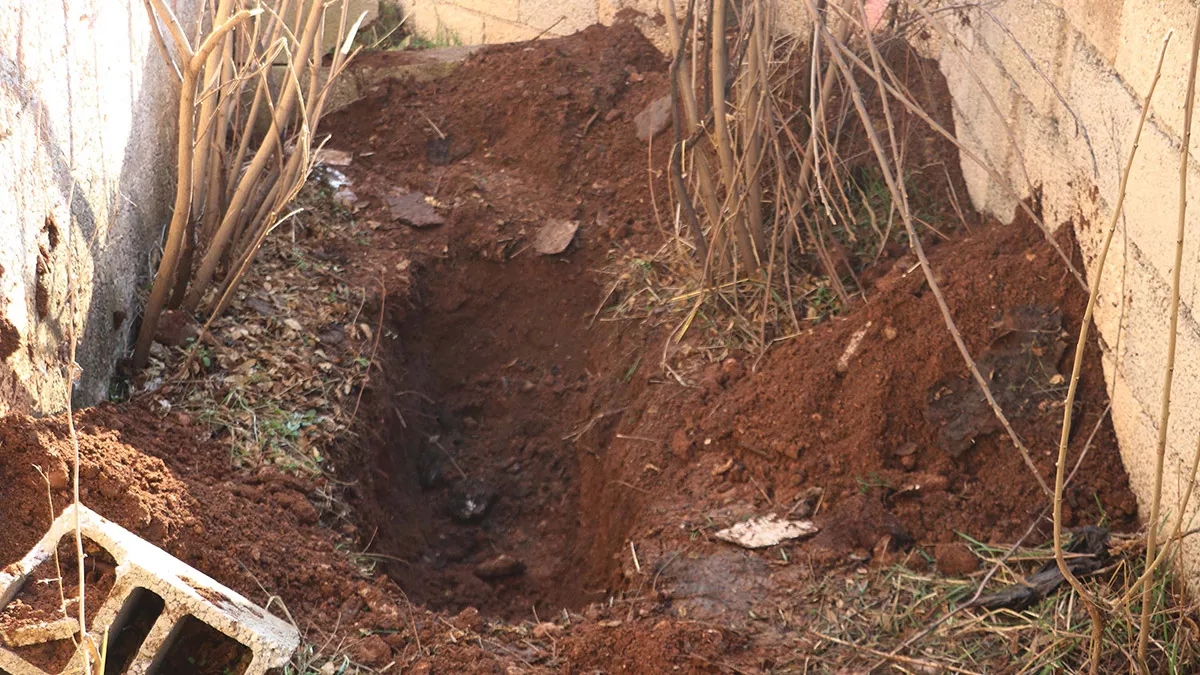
1100 56
472 22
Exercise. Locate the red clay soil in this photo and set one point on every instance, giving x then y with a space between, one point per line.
551 123
799 421
517 369
163 478
503 421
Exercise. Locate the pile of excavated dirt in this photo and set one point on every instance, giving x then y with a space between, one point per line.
516 457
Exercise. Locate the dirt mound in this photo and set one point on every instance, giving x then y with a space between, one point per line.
513 393
845 406
517 455
159 476
552 122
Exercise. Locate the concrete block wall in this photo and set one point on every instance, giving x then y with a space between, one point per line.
476 22
87 129
1070 78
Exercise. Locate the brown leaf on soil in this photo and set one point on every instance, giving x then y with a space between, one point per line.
411 208
555 236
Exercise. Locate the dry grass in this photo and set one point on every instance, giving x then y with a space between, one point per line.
880 621
277 375
742 293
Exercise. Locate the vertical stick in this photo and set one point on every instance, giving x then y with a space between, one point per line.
165 275
677 93
757 54
270 144
1080 347
724 138
72 373
208 105
1165 410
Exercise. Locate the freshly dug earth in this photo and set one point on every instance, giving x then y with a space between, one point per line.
545 410
521 451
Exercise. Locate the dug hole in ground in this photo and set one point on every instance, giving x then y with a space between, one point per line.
522 486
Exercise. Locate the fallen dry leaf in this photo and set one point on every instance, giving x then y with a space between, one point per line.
765 531
555 236
412 209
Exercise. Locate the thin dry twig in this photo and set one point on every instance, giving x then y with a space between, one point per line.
900 198
1091 602
1168 376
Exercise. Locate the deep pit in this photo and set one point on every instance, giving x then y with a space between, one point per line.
501 397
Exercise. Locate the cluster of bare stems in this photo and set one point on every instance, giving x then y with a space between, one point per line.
757 180
257 62
758 172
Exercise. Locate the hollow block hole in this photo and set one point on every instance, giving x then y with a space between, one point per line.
196 648
129 630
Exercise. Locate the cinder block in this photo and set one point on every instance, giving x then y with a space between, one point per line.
1143 25
1100 21
191 607
564 17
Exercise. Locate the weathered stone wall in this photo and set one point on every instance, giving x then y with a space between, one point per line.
87 128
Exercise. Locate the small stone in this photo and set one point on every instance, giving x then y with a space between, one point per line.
471 502
59 478
909 462
500 567
732 369
299 505
560 92
931 482
111 488
331 157
261 306
468 619
889 333
371 651
546 629
555 236
175 328
956 560
681 445
412 209
345 198
653 120
332 335
430 472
